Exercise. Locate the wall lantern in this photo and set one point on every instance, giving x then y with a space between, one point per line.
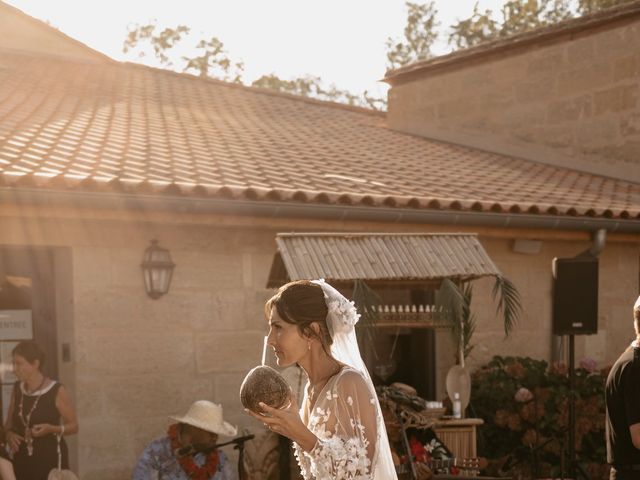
157 269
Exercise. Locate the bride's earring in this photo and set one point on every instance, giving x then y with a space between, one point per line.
309 345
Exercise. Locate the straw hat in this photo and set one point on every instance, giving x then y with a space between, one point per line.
207 416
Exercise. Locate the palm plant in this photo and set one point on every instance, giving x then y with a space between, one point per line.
453 303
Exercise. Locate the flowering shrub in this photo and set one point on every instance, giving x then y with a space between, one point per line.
525 406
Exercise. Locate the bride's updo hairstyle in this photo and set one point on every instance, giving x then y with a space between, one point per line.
301 303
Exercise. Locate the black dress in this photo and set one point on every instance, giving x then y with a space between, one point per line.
45 449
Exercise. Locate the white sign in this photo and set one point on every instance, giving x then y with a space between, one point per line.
16 325
6 362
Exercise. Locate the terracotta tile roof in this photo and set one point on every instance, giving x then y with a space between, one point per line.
340 257
125 128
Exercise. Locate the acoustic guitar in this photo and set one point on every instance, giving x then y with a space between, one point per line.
467 466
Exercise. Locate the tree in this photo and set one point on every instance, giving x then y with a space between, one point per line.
590 6
307 86
419 35
212 60
517 16
160 42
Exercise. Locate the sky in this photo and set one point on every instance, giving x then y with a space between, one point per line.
341 41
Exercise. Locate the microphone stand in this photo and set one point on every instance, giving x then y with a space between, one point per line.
405 441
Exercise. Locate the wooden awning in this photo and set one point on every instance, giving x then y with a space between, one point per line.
379 258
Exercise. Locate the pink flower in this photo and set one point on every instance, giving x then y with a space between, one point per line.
523 395
589 364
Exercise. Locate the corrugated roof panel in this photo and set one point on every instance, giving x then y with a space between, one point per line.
348 256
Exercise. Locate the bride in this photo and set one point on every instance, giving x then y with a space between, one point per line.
339 432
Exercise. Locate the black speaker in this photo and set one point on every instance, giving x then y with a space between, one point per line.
575 296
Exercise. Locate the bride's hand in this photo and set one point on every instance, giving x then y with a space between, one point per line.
287 422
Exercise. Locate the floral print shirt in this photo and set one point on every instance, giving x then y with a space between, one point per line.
158 461
345 422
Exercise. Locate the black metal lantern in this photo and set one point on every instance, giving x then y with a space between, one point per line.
157 269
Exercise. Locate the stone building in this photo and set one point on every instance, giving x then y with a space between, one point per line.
564 95
97 158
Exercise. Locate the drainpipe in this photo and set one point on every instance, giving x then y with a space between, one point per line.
558 345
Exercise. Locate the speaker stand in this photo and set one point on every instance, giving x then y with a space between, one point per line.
574 467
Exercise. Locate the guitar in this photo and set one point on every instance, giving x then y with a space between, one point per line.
468 466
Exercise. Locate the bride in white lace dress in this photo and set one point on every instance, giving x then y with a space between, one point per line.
339 432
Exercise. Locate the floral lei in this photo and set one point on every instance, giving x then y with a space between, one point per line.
205 472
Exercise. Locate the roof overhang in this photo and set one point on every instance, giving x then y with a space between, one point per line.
379 258
313 211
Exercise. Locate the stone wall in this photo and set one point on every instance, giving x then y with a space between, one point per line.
135 360
617 289
573 101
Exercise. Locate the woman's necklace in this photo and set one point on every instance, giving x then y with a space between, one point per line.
26 421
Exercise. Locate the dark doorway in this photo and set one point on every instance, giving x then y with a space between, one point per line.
27 296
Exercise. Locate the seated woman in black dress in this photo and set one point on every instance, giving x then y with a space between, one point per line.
40 415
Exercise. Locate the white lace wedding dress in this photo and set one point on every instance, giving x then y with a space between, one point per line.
345 418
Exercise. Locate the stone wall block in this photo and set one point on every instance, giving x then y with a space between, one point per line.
584 79
107 353
547 61
630 125
228 351
525 117
499 101
106 473
89 397
580 52
627 67
154 395
486 345
460 108
227 386
132 310
105 444
598 133
611 43
570 110
92 267
537 89
146 429
126 267
254 310
180 310
556 136
106 307
619 98
228 310
200 269
260 268
628 152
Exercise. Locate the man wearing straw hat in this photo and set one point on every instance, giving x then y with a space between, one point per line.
622 394
188 450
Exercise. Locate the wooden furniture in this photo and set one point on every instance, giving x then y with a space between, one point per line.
459 435
462 477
